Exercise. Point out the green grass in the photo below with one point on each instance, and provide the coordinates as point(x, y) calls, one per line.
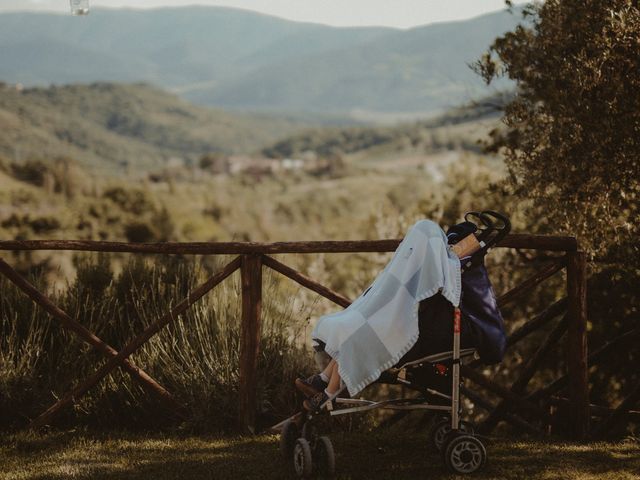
point(378, 455)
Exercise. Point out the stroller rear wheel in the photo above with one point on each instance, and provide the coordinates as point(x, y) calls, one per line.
point(441, 429)
point(464, 453)
point(325, 457)
point(302, 459)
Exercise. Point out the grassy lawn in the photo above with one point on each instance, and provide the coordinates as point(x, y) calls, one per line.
point(128, 456)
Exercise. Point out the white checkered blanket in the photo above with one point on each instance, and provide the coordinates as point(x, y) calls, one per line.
point(381, 325)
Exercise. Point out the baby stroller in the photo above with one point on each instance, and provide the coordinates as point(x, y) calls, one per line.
point(448, 335)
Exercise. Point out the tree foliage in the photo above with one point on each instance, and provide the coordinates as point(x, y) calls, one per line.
point(572, 133)
point(571, 141)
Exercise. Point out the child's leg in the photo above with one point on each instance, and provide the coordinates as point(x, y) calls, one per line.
point(327, 372)
point(334, 379)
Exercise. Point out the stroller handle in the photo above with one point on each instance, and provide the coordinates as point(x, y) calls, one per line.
point(502, 226)
point(492, 226)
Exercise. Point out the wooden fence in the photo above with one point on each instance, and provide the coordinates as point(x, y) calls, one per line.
point(525, 410)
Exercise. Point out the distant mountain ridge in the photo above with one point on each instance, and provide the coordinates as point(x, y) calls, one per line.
point(243, 60)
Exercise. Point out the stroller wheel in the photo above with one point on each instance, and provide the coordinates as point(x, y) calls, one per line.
point(325, 457)
point(290, 432)
point(302, 460)
point(464, 453)
point(440, 429)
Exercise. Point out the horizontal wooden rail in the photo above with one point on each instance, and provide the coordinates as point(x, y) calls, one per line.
point(524, 241)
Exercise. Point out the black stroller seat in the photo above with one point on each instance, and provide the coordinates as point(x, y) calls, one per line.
point(427, 366)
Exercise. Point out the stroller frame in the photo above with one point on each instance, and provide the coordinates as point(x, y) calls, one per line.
point(312, 452)
point(456, 356)
point(462, 451)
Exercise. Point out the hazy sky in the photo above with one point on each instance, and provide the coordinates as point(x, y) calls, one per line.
point(393, 13)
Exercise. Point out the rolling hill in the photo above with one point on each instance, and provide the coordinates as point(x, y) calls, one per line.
point(243, 60)
point(105, 126)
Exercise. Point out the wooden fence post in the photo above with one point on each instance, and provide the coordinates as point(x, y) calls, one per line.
point(251, 273)
point(577, 344)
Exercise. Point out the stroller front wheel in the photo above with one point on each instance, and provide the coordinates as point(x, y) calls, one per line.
point(464, 454)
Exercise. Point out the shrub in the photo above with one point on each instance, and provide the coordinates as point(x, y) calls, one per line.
point(38, 225)
point(4, 165)
point(139, 232)
point(214, 162)
point(32, 171)
point(44, 224)
point(163, 225)
point(94, 276)
point(13, 221)
point(69, 179)
point(134, 201)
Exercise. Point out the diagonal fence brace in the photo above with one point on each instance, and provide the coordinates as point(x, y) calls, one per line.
point(192, 297)
point(594, 358)
point(522, 381)
point(535, 279)
point(86, 335)
point(305, 281)
point(511, 418)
